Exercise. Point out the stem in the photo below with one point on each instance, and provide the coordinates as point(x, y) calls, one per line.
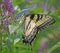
point(54, 47)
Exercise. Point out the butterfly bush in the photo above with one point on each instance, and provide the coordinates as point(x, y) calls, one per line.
point(9, 6)
point(6, 18)
point(7, 13)
point(7, 10)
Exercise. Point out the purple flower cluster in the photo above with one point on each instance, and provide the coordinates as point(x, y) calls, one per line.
point(2, 31)
point(51, 9)
point(44, 7)
point(1, 6)
point(9, 6)
point(6, 13)
point(43, 45)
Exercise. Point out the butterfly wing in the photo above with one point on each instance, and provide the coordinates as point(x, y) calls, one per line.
point(45, 21)
point(33, 23)
point(30, 30)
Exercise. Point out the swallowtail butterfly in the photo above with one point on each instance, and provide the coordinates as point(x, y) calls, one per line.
point(33, 23)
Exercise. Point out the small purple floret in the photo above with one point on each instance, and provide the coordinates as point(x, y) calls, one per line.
point(9, 6)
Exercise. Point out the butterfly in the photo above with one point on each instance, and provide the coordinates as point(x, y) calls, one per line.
point(33, 23)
